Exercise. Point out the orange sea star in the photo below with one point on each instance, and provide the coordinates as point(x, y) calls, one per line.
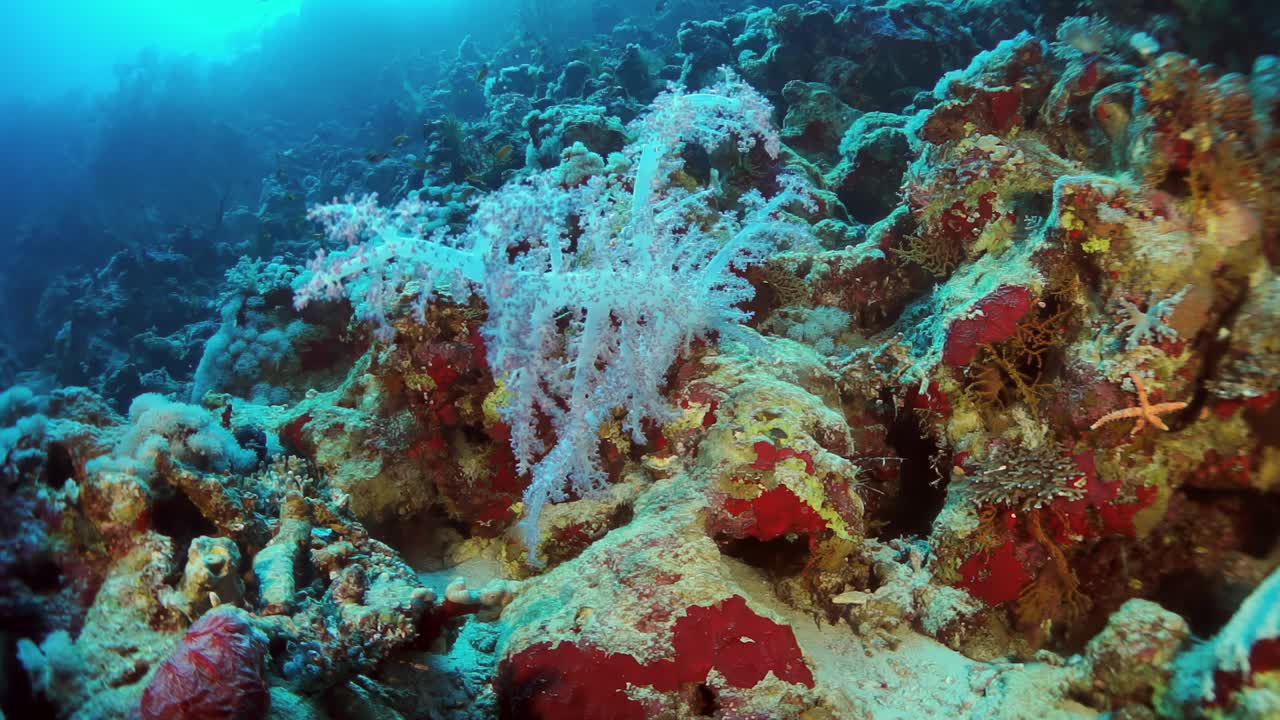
point(1145, 412)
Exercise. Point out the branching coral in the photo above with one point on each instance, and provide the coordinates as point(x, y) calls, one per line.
point(1055, 593)
point(1152, 322)
point(1026, 478)
point(1019, 362)
point(1032, 483)
point(938, 254)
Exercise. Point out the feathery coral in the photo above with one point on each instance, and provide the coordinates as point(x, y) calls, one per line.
point(592, 290)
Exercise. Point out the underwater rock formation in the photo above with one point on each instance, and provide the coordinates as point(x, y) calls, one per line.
point(903, 359)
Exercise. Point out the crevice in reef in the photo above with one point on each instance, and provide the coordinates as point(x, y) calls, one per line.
point(421, 540)
point(59, 467)
point(1208, 594)
point(1253, 514)
point(1266, 424)
point(703, 701)
point(777, 558)
point(923, 475)
point(1214, 345)
point(1203, 600)
point(40, 574)
point(179, 518)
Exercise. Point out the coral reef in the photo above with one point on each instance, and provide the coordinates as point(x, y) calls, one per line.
point(896, 359)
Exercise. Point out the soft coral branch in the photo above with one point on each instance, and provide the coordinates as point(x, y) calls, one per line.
point(632, 266)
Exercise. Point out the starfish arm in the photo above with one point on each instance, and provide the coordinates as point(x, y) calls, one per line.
point(1142, 389)
point(1137, 426)
point(1116, 415)
point(1144, 413)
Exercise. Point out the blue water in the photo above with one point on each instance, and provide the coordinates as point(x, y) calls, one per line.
point(125, 123)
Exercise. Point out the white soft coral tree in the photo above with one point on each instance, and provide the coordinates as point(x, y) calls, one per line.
point(592, 289)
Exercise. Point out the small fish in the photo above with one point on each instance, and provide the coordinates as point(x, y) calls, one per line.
point(375, 157)
point(662, 5)
point(420, 165)
point(503, 153)
point(482, 74)
point(317, 236)
point(292, 196)
point(400, 139)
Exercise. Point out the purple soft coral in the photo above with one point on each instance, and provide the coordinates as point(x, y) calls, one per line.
point(594, 289)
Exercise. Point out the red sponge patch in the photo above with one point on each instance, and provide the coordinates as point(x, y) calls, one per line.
point(568, 681)
point(743, 646)
point(995, 576)
point(995, 319)
point(778, 511)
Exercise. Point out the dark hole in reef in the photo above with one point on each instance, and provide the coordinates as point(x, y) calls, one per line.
point(1213, 348)
point(1176, 184)
point(1265, 424)
point(279, 647)
point(763, 303)
point(622, 517)
point(781, 557)
point(1253, 516)
point(475, 436)
point(922, 478)
point(179, 518)
point(1032, 209)
point(1260, 532)
point(1208, 599)
point(325, 354)
point(276, 297)
point(40, 574)
point(59, 467)
point(703, 702)
point(1206, 602)
point(697, 162)
point(406, 535)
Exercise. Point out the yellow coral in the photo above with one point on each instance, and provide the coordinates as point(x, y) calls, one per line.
point(494, 401)
point(1097, 244)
